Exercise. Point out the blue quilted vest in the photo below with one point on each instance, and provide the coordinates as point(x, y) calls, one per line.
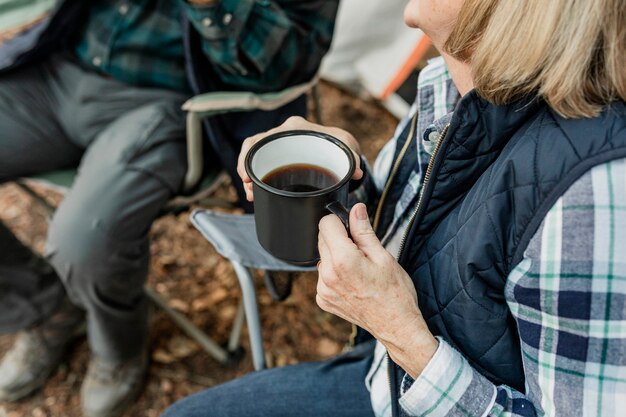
point(497, 172)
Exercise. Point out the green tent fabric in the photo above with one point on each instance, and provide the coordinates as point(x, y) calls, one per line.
point(15, 13)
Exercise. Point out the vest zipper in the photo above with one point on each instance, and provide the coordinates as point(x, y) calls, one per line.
point(394, 171)
point(391, 380)
point(424, 184)
point(383, 196)
point(391, 366)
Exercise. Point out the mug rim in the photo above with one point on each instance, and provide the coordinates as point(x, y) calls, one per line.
point(256, 180)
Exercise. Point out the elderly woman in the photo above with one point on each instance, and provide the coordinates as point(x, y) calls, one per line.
point(493, 278)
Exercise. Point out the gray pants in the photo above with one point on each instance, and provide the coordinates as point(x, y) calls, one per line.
point(129, 146)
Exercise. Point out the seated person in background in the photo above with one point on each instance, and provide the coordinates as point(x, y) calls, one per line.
point(99, 85)
point(508, 220)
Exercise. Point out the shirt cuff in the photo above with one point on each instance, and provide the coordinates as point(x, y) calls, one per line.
point(448, 387)
point(222, 20)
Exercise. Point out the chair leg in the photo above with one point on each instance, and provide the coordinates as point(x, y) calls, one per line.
point(234, 341)
point(317, 105)
point(190, 329)
point(252, 315)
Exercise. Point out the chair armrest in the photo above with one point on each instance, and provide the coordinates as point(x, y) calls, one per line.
point(210, 104)
point(219, 102)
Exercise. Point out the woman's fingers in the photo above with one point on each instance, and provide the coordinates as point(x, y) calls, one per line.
point(241, 165)
point(334, 233)
point(296, 123)
point(247, 187)
point(322, 247)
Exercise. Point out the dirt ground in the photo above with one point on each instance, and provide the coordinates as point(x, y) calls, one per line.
point(199, 283)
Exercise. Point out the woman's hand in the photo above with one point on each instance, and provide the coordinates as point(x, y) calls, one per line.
point(362, 283)
point(296, 123)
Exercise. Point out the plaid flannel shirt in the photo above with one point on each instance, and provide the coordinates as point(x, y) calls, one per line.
point(568, 297)
point(253, 44)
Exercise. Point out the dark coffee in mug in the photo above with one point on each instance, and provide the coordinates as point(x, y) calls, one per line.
point(300, 178)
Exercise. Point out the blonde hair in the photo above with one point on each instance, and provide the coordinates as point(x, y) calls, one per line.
point(572, 53)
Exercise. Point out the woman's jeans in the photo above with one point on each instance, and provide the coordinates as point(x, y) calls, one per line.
point(332, 388)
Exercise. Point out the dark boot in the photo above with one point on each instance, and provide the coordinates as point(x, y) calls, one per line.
point(38, 352)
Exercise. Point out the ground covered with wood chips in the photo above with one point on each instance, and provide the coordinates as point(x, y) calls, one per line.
point(201, 284)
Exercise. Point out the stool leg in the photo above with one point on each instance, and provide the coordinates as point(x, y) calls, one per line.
point(252, 315)
point(188, 327)
point(234, 341)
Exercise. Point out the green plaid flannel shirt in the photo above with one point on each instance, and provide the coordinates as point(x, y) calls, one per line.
point(568, 297)
point(258, 45)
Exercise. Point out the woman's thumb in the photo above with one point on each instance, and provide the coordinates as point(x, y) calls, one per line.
point(361, 230)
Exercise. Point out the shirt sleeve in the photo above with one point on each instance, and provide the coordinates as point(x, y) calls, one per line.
point(264, 45)
point(568, 297)
point(450, 387)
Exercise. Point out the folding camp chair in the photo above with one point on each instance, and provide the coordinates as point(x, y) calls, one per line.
point(234, 237)
point(206, 181)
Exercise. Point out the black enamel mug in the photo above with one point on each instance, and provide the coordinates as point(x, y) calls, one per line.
point(298, 177)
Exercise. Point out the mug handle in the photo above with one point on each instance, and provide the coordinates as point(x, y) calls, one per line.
point(343, 213)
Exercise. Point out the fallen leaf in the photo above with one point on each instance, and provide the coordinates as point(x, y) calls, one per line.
point(201, 304)
point(181, 347)
point(179, 305)
point(218, 294)
point(167, 386)
point(327, 347)
point(167, 260)
point(39, 412)
point(281, 360)
point(228, 312)
point(209, 301)
point(161, 356)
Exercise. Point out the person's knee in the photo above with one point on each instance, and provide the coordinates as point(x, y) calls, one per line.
point(91, 263)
